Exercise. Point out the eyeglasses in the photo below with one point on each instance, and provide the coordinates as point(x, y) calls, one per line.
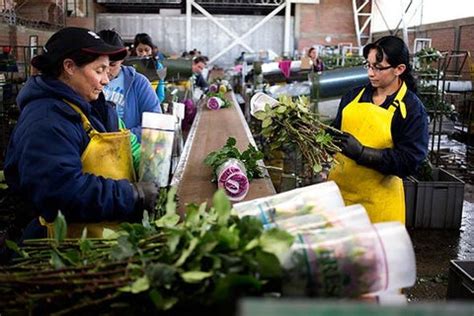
point(375, 69)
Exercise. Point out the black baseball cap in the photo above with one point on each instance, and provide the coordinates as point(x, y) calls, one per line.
point(72, 39)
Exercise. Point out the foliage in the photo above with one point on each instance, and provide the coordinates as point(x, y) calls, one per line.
point(426, 57)
point(207, 259)
point(333, 61)
point(249, 157)
point(291, 122)
point(428, 76)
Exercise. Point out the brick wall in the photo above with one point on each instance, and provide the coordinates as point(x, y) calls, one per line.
point(315, 22)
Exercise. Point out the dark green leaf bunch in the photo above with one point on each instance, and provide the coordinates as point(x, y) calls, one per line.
point(291, 122)
point(249, 158)
point(427, 56)
point(208, 259)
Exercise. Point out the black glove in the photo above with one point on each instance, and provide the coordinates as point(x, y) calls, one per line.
point(349, 145)
point(145, 194)
point(353, 149)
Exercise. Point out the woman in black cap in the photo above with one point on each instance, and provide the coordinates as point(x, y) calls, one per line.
point(66, 152)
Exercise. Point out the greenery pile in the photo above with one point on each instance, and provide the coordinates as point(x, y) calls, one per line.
point(207, 260)
point(292, 123)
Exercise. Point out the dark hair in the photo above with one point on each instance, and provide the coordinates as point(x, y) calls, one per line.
point(111, 37)
point(200, 59)
point(142, 38)
point(55, 69)
point(396, 52)
point(310, 50)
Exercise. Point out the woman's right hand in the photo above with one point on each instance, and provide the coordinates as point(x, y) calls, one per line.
point(145, 194)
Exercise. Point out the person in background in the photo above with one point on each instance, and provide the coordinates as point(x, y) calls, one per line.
point(384, 133)
point(143, 46)
point(130, 91)
point(199, 63)
point(318, 65)
point(66, 152)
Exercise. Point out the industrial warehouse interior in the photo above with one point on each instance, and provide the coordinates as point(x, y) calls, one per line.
point(237, 157)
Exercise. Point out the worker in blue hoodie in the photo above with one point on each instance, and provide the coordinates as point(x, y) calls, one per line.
point(66, 152)
point(129, 90)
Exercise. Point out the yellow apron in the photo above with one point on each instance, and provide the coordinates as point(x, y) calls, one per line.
point(381, 195)
point(107, 154)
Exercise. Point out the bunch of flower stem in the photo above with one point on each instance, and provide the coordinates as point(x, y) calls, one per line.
point(291, 122)
point(161, 264)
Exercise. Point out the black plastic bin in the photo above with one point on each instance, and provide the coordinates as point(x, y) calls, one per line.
point(409, 186)
point(439, 202)
point(461, 280)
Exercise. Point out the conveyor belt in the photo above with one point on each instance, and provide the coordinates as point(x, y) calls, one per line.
point(209, 133)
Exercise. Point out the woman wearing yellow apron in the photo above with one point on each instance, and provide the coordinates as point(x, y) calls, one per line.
point(67, 152)
point(385, 133)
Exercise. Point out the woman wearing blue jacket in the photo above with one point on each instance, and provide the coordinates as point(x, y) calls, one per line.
point(66, 152)
point(385, 133)
point(129, 90)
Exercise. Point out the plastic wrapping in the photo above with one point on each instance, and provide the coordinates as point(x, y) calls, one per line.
point(259, 100)
point(342, 262)
point(156, 148)
point(232, 178)
point(349, 216)
point(311, 199)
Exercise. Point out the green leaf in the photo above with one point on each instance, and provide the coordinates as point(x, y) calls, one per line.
point(123, 249)
point(192, 218)
point(222, 206)
point(56, 261)
point(162, 303)
point(229, 237)
point(281, 109)
point(268, 265)
point(195, 276)
point(13, 246)
point(187, 252)
point(251, 245)
point(317, 168)
point(146, 220)
point(231, 141)
point(260, 115)
point(173, 240)
point(276, 241)
point(60, 227)
point(84, 233)
point(168, 220)
point(267, 122)
point(140, 285)
point(108, 233)
point(232, 284)
point(170, 202)
point(85, 245)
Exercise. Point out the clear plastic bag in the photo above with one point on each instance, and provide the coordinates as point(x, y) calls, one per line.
point(350, 262)
point(156, 148)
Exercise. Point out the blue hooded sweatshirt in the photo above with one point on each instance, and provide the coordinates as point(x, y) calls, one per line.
point(139, 97)
point(43, 158)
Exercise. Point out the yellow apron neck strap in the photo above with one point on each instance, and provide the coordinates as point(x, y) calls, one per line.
point(398, 103)
point(357, 98)
point(85, 121)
